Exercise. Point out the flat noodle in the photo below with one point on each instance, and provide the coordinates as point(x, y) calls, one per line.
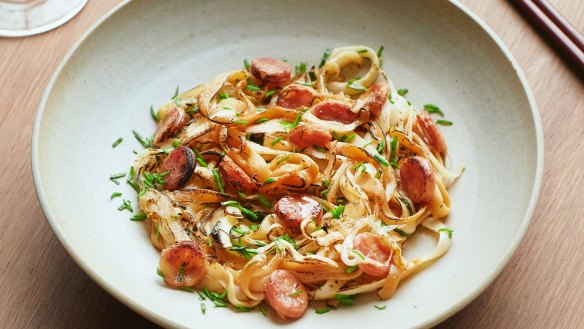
point(226, 208)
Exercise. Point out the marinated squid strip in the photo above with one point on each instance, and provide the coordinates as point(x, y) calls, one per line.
point(359, 166)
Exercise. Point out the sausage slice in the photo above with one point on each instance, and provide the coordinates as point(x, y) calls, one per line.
point(333, 110)
point(180, 165)
point(293, 209)
point(270, 70)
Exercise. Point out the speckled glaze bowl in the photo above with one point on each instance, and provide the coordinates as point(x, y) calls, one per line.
point(142, 50)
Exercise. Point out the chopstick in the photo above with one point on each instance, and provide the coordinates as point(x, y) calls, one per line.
point(557, 28)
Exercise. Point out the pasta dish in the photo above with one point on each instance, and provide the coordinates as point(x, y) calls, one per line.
point(278, 186)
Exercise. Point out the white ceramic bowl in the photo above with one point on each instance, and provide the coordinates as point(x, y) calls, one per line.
point(140, 52)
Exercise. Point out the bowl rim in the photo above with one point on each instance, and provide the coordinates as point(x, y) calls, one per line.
point(168, 322)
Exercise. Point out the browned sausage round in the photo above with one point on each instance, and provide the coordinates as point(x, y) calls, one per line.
point(309, 134)
point(235, 177)
point(286, 294)
point(293, 209)
point(175, 120)
point(293, 97)
point(374, 98)
point(417, 179)
point(373, 246)
point(432, 135)
point(333, 110)
point(270, 70)
point(180, 165)
point(182, 264)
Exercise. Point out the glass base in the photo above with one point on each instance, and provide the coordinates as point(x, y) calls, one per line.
point(20, 18)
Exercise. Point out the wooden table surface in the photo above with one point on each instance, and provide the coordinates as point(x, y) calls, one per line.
point(541, 287)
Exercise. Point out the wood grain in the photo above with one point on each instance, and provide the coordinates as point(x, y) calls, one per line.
point(542, 287)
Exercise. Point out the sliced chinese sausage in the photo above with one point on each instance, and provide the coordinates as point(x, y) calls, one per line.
point(375, 247)
point(432, 135)
point(182, 264)
point(173, 122)
point(270, 70)
point(417, 179)
point(333, 110)
point(179, 164)
point(374, 98)
point(293, 209)
point(286, 294)
point(235, 177)
point(294, 96)
point(308, 135)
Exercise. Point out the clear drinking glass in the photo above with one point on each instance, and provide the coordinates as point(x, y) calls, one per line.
point(27, 17)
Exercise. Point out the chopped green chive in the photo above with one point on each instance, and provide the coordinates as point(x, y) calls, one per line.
point(270, 93)
point(337, 212)
point(360, 51)
point(115, 195)
point(380, 51)
point(390, 98)
point(260, 120)
point(240, 122)
point(282, 159)
point(153, 114)
point(242, 195)
point(380, 307)
point(138, 217)
point(146, 142)
point(263, 310)
point(402, 233)
point(393, 153)
point(218, 180)
point(350, 137)
point(117, 142)
point(269, 180)
point(203, 308)
point(230, 203)
point(408, 206)
point(301, 68)
point(326, 183)
point(325, 56)
point(246, 64)
point(380, 147)
point(242, 308)
point(264, 201)
point(355, 85)
point(176, 143)
point(448, 230)
point(320, 149)
point(252, 86)
point(276, 141)
point(381, 160)
point(223, 96)
point(295, 292)
point(322, 310)
point(346, 300)
point(431, 108)
point(402, 92)
point(350, 269)
point(200, 159)
point(444, 122)
point(160, 274)
point(358, 253)
point(126, 205)
point(175, 93)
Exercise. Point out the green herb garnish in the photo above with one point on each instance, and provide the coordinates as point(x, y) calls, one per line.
point(264, 201)
point(337, 212)
point(240, 122)
point(146, 142)
point(393, 153)
point(380, 307)
point(138, 217)
point(381, 160)
point(270, 93)
point(295, 292)
point(301, 68)
point(380, 51)
point(358, 253)
point(402, 233)
point(402, 92)
point(260, 120)
point(431, 108)
point(350, 269)
point(246, 64)
point(126, 205)
point(218, 180)
point(115, 195)
point(269, 180)
point(448, 230)
point(322, 310)
point(320, 149)
point(252, 86)
point(444, 122)
point(117, 142)
point(283, 159)
point(160, 274)
point(325, 56)
point(276, 141)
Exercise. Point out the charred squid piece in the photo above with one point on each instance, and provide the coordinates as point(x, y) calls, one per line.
point(293, 209)
point(270, 71)
point(417, 179)
point(180, 165)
